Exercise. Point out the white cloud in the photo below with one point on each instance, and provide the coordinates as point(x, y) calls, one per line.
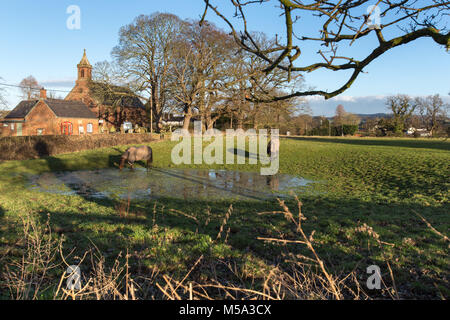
point(344, 98)
point(59, 83)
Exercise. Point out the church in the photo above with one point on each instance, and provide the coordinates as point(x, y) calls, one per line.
point(90, 108)
point(112, 104)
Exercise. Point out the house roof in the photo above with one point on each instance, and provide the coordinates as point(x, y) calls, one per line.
point(61, 108)
point(22, 109)
point(70, 109)
point(111, 95)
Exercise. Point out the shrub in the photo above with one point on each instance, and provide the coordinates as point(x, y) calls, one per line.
point(21, 148)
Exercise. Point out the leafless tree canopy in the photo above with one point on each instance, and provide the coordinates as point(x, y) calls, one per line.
point(340, 24)
point(402, 107)
point(144, 54)
point(3, 102)
point(431, 109)
point(30, 88)
point(198, 70)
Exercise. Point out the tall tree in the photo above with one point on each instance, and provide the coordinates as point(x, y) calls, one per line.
point(339, 118)
point(402, 107)
point(432, 109)
point(29, 87)
point(145, 53)
point(3, 102)
point(201, 60)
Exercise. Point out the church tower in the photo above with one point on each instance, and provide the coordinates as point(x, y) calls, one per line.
point(84, 69)
point(81, 89)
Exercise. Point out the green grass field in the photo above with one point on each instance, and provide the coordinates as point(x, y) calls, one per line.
point(379, 182)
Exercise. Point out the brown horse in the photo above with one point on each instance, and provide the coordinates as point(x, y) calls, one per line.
point(133, 154)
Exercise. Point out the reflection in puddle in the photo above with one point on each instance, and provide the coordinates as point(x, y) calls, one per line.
point(176, 183)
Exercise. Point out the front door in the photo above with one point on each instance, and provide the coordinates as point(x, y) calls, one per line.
point(66, 128)
point(19, 129)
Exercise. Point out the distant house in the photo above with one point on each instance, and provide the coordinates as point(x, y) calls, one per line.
point(49, 117)
point(112, 104)
point(169, 119)
point(421, 132)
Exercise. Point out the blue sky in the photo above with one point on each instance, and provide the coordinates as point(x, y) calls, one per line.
point(36, 41)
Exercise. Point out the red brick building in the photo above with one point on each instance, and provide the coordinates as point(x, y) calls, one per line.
point(89, 105)
point(49, 117)
point(112, 104)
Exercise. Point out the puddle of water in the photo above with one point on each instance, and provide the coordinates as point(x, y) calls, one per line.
point(175, 183)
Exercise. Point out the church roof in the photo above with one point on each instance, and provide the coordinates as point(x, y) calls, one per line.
point(61, 108)
point(112, 95)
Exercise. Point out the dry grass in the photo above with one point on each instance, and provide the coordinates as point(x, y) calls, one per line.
point(299, 277)
point(28, 277)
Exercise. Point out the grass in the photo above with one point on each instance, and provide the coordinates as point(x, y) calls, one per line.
point(370, 188)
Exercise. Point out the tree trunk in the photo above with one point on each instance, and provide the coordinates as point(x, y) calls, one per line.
point(240, 122)
point(187, 116)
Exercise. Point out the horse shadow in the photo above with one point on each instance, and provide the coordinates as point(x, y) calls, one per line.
point(243, 153)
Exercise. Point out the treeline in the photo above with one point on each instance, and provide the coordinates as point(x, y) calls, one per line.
point(419, 117)
point(428, 113)
point(177, 66)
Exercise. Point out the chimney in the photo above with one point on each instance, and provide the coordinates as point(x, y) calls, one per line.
point(43, 94)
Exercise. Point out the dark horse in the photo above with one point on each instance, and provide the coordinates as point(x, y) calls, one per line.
point(133, 154)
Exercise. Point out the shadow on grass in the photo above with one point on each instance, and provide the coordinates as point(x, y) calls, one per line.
point(171, 233)
point(243, 153)
point(394, 142)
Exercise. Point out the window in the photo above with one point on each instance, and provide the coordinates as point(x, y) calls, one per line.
point(40, 131)
point(89, 128)
point(82, 73)
point(80, 129)
point(12, 126)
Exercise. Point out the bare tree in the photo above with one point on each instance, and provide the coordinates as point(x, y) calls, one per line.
point(53, 95)
point(145, 53)
point(3, 102)
point(249, 88)
point(337, 22)
point(432, 109)
point(202, 57)
point(343, 117)
point(29, 87)
point(339, 118)
point(402, 108)
point(302, 123)
point(110, 90)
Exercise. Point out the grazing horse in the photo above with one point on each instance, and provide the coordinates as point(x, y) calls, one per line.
point(273, 147)
point(133, 154)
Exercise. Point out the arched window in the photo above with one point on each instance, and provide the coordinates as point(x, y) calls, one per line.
point(82, 73)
